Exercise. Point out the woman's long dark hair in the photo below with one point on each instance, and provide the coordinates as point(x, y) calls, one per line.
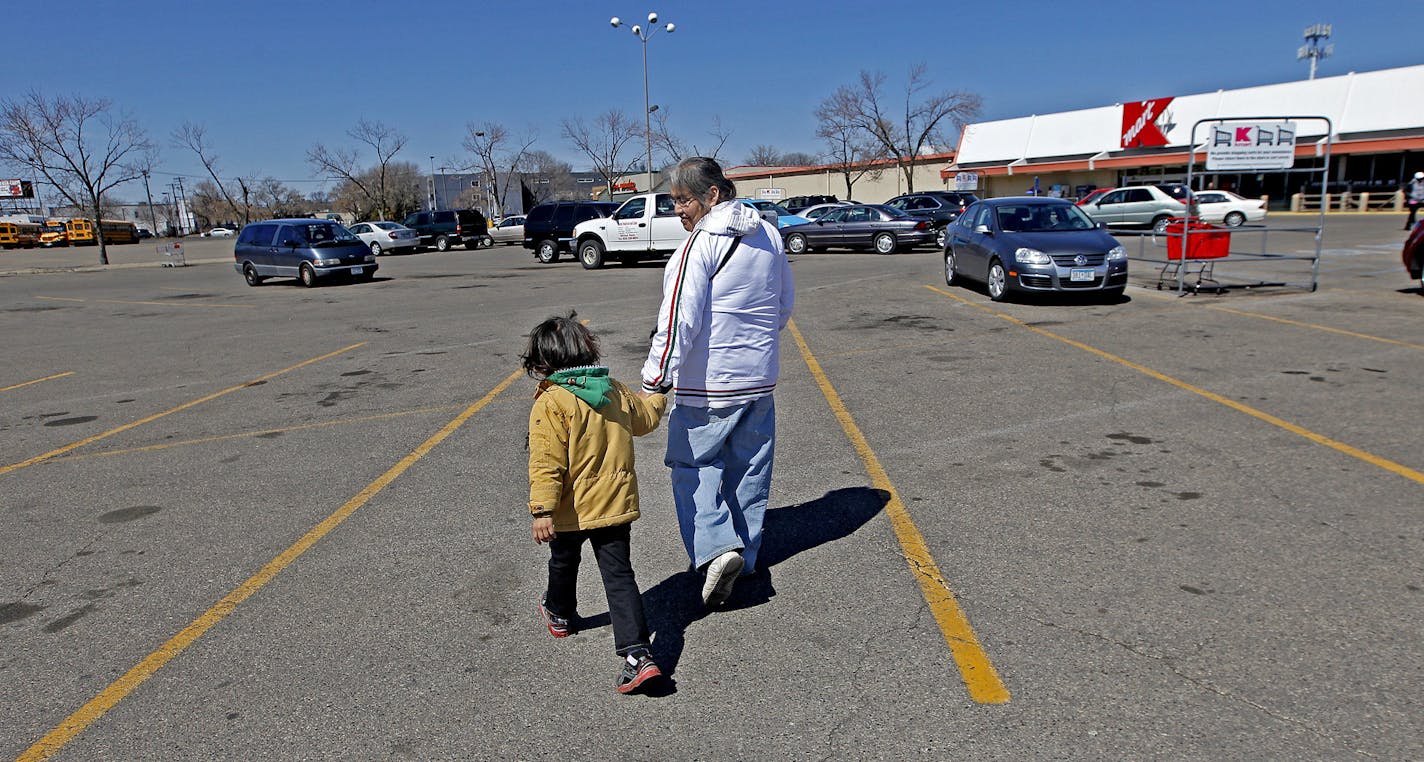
point(558, 343)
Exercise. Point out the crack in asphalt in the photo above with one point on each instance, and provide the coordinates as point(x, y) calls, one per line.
point(45, 577)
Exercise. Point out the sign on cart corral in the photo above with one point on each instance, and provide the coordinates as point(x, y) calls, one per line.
point(1250, 146)
point(966, 181)
point(771, 194)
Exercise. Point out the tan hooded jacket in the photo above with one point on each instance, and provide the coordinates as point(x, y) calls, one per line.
point(581, 458)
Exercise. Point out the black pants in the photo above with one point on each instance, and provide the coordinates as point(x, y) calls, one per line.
point(625, 602)
point(1413, 210)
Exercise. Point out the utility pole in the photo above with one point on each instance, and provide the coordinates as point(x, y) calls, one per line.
point(182, 208)
point(152, 218)
point(1311, 49)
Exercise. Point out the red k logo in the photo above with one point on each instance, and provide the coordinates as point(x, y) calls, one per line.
point(1139, 123)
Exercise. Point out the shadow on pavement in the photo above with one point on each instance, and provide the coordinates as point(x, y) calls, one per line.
point(676, 602)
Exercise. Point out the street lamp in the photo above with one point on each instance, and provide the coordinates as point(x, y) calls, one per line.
point(434, 193)
point(643, 35)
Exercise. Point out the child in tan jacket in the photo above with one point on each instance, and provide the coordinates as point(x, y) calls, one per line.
point(582, 486)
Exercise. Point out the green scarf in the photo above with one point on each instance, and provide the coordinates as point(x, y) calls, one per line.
point(589, 383)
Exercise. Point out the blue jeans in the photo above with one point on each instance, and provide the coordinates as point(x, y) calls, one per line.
point(721, 477)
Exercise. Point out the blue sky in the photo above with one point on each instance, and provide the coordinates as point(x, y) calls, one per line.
point(269, 79)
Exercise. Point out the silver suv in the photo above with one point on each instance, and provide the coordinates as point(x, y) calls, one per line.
point(1140, 206)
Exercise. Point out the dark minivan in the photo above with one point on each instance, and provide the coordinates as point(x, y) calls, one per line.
point(447, 227)
point(549, 228)
point(305, 249)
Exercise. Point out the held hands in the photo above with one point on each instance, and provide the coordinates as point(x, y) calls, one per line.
point(543, 529)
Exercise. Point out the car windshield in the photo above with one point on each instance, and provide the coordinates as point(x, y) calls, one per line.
point(388, 225)
point(326, 234)
point(891, 212)
point(1042, 218)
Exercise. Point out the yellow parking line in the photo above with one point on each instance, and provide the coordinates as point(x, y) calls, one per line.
point(250, 434)
point(156, 416)
point(36, 381)
point(96, 707)
point(1338, 446)
point(155, 304)
point(979, 675)
point(1298, 324)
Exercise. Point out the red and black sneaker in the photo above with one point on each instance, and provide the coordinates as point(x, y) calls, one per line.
point(558, 626)
point(638, 668)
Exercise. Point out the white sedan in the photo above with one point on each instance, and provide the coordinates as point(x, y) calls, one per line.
point(1228, 208)
point(510, 230)
point(219, 233)
point(384, 237)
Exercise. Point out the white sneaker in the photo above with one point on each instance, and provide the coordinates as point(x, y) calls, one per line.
point(721, 576)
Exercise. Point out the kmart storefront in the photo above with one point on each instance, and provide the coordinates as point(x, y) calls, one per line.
point(1377, 142)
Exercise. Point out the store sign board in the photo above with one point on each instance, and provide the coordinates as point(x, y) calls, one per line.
point(15, 188)
point(771, 194)
point(1142, 123)
point(966, 181)
point(1251, 146)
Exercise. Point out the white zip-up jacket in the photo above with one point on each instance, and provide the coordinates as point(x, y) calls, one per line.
point(717, 338)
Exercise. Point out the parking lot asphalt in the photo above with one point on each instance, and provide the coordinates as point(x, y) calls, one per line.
point(280, 522)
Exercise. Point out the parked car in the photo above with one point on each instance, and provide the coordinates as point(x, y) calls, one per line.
point(450, 227)
point(385, 237)
point(1228, 208)
point(1414, 254)
point(939, 207)
point(795, 204)
point(549, 227)
point(814, 212)
point(510, 230)
point(1093, 195)
point(862, 226)
point(219, 233)
point(1140, 206)
point(305, 249)
point(773, 213)
point(1033, 244)
point(145, 233)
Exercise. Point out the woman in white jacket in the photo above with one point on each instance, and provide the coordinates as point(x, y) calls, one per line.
point(727, 293)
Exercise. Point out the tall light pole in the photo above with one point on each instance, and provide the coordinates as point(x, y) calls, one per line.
point(643, 35)
point(434, 202)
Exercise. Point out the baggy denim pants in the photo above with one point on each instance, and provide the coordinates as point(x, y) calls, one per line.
point(721, 462)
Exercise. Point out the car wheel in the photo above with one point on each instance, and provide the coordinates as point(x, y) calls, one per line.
point(548, 252)
point(1159, 225)
point(250, 273)
point(796, 244)
point(1235, 219)
point(941, 236)
point(306, 275)
point(442, 243)
point(591, 254)
point(950, 276)
point(376, 249)
point(885, 243)
point(998, 281)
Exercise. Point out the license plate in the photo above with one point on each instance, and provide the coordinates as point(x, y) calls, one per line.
point(1078, 275)
point(359, 270)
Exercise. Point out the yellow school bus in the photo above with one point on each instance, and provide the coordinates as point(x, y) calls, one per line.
point(52, 233)
point(15, 235)
point(119, 231)
point(80, 232)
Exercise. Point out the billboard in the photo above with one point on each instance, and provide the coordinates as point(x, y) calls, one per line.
point(1251, 146)
point(15, 188)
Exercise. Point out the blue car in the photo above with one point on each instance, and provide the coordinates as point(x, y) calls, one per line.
point(1031, 244)
point(773, 213)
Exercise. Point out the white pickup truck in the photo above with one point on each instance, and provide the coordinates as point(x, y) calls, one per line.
point(644, 227)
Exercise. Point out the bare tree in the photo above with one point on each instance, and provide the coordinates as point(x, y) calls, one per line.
point(498, 154)
point(404, 191)
point(904, 134)
point(675, 149)
point(194, 137)
point(78, 144)
point(604, 143)
point(344, 163)
point(763, 156)
point(853, 151)
point(547, 178)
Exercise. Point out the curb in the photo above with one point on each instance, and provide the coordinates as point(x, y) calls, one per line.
point(104, 268)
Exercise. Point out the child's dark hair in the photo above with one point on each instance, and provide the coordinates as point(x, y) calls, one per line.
point(558, 343)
